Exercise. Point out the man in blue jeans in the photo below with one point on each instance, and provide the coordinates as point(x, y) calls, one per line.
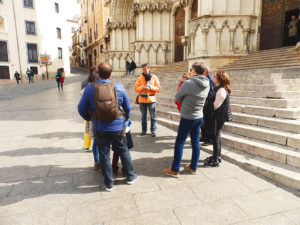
point(192, 96)
point(109, 133)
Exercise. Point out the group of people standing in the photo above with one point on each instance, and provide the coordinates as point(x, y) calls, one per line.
point(130, 68)
point(200, 99)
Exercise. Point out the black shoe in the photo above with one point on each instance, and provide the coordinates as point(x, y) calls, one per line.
point(206, 144)
point(211, 162)
point(153, 134)
point(143, 132)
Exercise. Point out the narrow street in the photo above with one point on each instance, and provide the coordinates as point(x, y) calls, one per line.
point(46, 177)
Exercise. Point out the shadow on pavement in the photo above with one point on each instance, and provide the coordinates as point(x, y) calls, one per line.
point(59, 135)
point(36, 151)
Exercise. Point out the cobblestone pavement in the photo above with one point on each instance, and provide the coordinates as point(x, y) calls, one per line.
point(46, 178)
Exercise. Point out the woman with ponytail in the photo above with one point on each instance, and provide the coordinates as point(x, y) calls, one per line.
point(220, 105)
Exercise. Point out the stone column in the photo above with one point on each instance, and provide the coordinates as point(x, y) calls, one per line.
point(231, 41)
point(193, 35)
point(245, 47)
point(141, 26)
point(204, 32)
point(211, 10)
point(155, 54)
point(113, 40)
point(138, 61)
point(188, 15)
point(253, 7)
point(238, 6)
point(199, 8)
point(218, 41)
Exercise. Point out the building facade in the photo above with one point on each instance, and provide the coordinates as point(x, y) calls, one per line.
point(19, 38)
point(92, 32)
point(57, 22)
point(163, 31)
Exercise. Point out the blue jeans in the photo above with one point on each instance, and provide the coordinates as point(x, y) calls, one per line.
point(187, 127)
point(133, 72)
point(95, 151)
point(119, 145)
point(151, 107)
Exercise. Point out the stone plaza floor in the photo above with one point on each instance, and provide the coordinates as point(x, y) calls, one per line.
point(46, 177)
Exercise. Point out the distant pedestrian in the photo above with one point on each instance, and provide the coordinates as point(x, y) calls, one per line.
point(17, 77)
point(147, 85)
point(128, 68)
point(29, 74)
point(132, 67)
point(221, 111)
point(59, 79)
point(192, 96)
point(293, 31)
point(32, 76)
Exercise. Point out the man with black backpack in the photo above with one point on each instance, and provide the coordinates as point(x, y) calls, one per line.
point(105, 99)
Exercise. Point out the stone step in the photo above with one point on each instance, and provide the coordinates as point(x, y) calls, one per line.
point(261, 80)
point(293, 57)
point(262, 148)
point(265, 87)
point(293, 113)
point(284, 174)
point(265, 65)
point(286, 139)
point(280, 172)
point(268, 122)
point(266, 94)
point(278, 103)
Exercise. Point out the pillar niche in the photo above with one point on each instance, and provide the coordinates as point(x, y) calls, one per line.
point(218, 31)
point(113, 40)
point(204, 32)
point(245, 46)
point(231, 31)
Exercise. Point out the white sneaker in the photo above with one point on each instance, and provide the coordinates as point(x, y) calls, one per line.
point(109, 189)
point(132, 181)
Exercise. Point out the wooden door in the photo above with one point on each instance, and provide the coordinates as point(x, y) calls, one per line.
point(179, 32)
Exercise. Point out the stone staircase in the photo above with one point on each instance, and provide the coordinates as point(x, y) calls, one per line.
point(264, 135)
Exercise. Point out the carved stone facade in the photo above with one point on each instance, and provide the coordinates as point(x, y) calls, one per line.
point(163, 31)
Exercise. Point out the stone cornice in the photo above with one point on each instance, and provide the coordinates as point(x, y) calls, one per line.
point(152, 5)
point(120, 25)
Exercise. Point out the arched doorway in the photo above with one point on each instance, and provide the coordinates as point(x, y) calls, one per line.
point(179, 32)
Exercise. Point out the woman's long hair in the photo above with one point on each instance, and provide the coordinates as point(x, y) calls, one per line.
point(224, 80)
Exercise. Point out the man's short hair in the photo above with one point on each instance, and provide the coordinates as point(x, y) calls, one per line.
point(199, 67)
point(104, 70)
point(144, 65)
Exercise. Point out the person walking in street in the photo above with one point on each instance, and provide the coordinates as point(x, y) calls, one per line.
point(132, 68)
point(17, 77)
point(221, 111)
point(29, 74)
point(128, 68)
point(293, 31)
point(59, 79)
point(32, 76)
point(192, 96)
point(207, 130)
point(108, 122)
point(147, 85)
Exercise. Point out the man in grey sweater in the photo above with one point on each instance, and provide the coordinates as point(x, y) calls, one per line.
point(192, 96)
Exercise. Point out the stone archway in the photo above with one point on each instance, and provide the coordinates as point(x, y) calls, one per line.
point(179, 32)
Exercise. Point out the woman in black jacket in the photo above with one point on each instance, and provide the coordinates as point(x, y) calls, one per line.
point(219, 109)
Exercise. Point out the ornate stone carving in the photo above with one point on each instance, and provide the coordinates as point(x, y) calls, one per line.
point(152, 5)
point(125, 25)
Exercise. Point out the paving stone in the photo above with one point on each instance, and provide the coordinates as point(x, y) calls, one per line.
point(160, 218)
point(55, 216)
point(221, 189)
point(165, 199)
point(218, 212)
point(255, 182)
point(277, 219)
point(101, 211)
point(293, 215)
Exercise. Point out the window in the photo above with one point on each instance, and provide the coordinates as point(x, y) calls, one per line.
point(28, 4)
point(58, 32)
point(3, 51)
point(32, 53)
point(34, 69)
point(4, 72)
point(73, 29)
point(60, 54)
point(101, 49)
point(30, 27)
point(56, 7)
